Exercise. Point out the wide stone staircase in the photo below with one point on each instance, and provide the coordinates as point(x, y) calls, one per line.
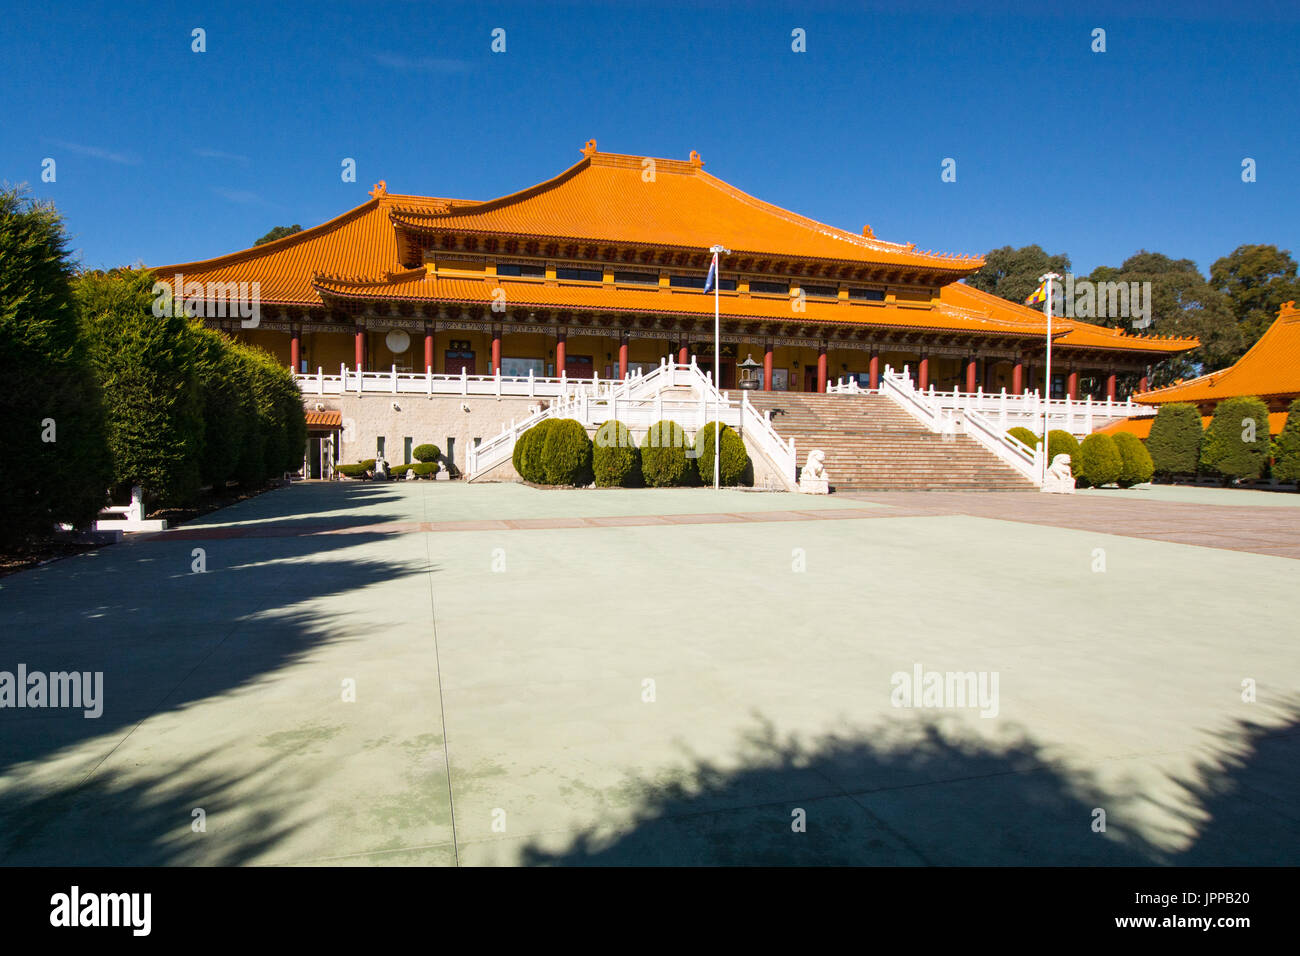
point(873, 445)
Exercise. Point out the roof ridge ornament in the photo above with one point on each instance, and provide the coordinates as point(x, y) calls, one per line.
point(590, 148)
point(380, 189)
point(695, 159)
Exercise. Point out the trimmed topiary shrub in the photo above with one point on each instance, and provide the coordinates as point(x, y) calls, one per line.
point(1098, 462)
point(1286, 465)
point(733, 459)
point(615, 459)
point(1136, 463)
point(1175, 440)
point(1236, 441)
point(528, 452)
point(422, 469)
point(1061, 442)
point(663, 455)
point(566, 454)
point(426, 453)
point(355, 471)
point(1022, 434)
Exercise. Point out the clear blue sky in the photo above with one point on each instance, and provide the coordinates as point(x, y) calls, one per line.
point(165, 155)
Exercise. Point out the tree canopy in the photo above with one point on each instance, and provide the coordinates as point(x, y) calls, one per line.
point(279, 232)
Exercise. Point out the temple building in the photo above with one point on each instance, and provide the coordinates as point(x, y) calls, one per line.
point(599, 273)
point(601, 270)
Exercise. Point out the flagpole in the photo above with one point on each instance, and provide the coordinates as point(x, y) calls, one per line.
point(717, 365)
point(1047, 387)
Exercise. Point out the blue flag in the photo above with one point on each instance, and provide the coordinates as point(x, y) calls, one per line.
point(712, 280)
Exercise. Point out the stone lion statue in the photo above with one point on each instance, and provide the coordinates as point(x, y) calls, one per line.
point(1060, 479)
point(813, 480)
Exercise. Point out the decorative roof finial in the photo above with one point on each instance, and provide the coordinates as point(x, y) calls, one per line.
point(589, 148)
point(867, 231)
point(381, 189)
point(695, 159)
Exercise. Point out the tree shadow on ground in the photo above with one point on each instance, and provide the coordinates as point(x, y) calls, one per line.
point(933, 794)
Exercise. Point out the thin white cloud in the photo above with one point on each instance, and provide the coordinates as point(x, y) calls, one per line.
point(218, 154)
point(98, 152)
point(244, 197)
point(421, 64)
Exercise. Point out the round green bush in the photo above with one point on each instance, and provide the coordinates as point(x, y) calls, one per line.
point(1136, 460)
point(733, 459)
point(426, 453)
point(615, 459)
point(528, 451)
point(663, 455)
point(1286, 450)
point(1175, 439)
point(1061, 442)
point(1098, 462)
point(1236, 442)
point(1022, 434)
point(566, 454)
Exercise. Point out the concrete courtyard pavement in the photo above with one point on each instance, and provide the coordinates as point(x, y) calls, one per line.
point(440, 673)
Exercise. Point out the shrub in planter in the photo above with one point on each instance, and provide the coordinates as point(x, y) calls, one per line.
point(426, 453)
point(733, 459)
point(1023, 434)
point(1286, 466)
point(663, 455)
point(1135, 459)
point(1236, 441)
point(1098, 462)
point(615, 459)
point(566, 454)
point(1175, 439)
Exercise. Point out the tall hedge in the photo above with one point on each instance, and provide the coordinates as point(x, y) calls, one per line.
point(227, 407)
point(1236, 442)
point(663, 455)
point(566, 454)
point(52, 445)
point(1175, 439)
point(1135, 460)
point(1286, 466)
point(615, 458)
point(733, 459)
point(1098, 462)
point(148, 366)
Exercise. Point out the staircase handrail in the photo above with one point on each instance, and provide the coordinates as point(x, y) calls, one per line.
point(781, 451)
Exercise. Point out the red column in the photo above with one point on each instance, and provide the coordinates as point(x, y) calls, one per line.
point(874, 370)
point(821, 368)
point(559, 353)
point(683, 355)
point(1072, 385)
point(1142, 384)
point(923, 372)
point(767, 368)
point(295, 350)
point(428, 348)
point(496, 351)
point(622, 357)
point(1018, 379)
point(970, 374)
point(361, 349)
point(1110, 387)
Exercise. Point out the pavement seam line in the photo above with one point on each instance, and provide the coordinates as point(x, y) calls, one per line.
point(442, 706)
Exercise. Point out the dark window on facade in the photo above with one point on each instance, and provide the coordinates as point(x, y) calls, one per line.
point(764, 285)
point(868, 295)
point(825, 291)
point(697, 282)
point(638, 278)
point(511, 269)
point(583, 275)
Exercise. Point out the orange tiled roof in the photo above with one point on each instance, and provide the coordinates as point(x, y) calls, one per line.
point(1141, 427)
point(962, 299)
point(418, 285)
point(325, 419)
point(605, 197)
point(1270, 368)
